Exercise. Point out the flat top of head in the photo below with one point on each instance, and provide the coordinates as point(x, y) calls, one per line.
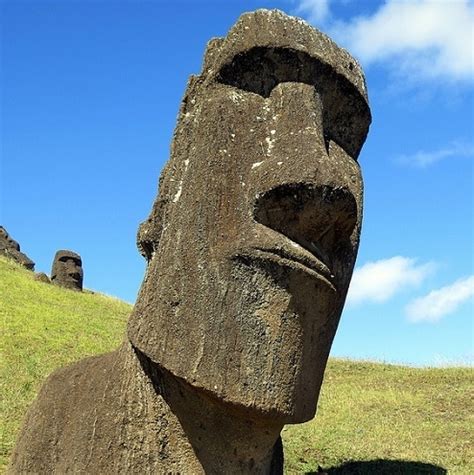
point(66, 253)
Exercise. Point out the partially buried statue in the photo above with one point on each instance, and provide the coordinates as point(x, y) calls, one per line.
point(67, 270)
point(11, 249)
point(250, 245)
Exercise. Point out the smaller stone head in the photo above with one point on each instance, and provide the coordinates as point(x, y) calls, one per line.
point(67, 270)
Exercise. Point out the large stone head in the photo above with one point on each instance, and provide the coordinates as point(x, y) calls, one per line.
point(67, 270)
point(252, 239)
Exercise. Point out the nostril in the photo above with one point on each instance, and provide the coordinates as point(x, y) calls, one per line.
point(319, 218)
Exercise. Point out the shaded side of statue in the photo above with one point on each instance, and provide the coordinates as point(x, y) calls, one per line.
point(250, 245)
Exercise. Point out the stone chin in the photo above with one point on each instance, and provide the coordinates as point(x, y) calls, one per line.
point(268, 357)
point(296, 309)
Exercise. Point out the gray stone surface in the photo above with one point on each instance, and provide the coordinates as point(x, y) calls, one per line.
point(250, 244)
point(67, 270)
point(11, 249)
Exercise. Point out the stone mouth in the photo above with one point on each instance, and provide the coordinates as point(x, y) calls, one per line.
point(290, 254)
point(75, 276)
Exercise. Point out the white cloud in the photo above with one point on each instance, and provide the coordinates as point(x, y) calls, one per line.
point(378, 281)
point(423, 159)
point(441, 302)
point(418, 39)
point(316, 11)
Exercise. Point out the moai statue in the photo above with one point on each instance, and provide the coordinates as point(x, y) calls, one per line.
point(250, 246)
point(67, 270)
point(42, 277)
point(11, 249)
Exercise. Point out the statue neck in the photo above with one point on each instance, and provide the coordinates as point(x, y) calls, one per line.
point(223, 440)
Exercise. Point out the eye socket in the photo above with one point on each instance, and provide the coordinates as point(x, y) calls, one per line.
point(346, 114)
point(346, 119)
point(260, 69)
point(75, 261)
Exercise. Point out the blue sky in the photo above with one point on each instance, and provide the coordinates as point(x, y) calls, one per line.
point(90, 93)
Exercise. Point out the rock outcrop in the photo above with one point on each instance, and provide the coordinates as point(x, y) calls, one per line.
point(42, 277)
point(11, 249)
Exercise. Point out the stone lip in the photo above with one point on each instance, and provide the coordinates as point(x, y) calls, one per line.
point(11, 249)
point(276, 29)
point(299, 261)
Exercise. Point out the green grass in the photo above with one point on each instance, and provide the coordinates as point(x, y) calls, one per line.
point(45, 327)
point(376, 412)
point(372, 418)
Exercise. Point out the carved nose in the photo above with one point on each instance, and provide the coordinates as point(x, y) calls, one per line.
point(319, 218)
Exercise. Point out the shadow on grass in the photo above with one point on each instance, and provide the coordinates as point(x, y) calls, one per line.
point(383, 467)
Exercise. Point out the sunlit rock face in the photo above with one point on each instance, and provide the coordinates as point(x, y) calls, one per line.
point(67, 270)
point(252, 239)
point(250, 246)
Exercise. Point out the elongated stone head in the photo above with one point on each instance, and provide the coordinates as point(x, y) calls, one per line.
point(252, 239)
point(67, 270)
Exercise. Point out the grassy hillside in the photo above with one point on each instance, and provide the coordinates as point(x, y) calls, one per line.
point(45, 327)
point(419, 419)
point(372, 418)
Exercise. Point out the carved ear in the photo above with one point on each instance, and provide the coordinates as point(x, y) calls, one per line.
point(149, 232)
point(144, 242)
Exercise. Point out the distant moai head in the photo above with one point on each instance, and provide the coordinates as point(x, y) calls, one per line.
point(252, 239)
point(67, 270)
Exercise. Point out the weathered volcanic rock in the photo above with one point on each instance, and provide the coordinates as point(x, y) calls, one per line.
point(10, 248)
point(42, 277)
point(250, 244)
point(67, 270)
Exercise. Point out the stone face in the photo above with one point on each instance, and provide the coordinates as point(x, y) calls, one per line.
point(67, 270)
point(250, 246)
point(10, 248)
point(254, 233)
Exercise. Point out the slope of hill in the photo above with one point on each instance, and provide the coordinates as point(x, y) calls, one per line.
point(45, 327)
point(372, 418)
